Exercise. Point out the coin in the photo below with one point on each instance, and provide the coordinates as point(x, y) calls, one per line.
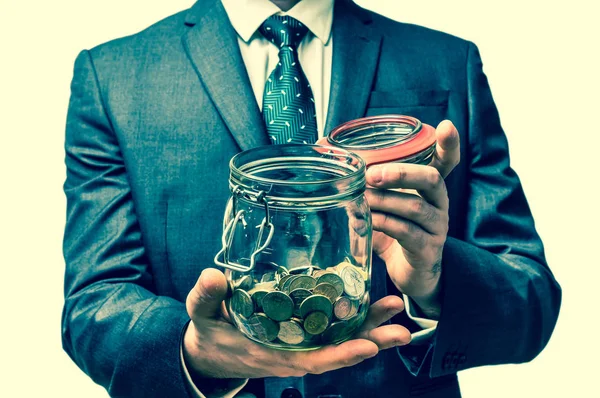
point(298, 296)
point(262, 327)
point(291, 332)
point(345, 308)
point(342, 308)
point(257, 297)
point(245, 282)
point(316, 302)
point(241, 303)
point(283, 279)
point(336, 332)
point(332, 279)
point(278, 306)
point(302, 282)
point(355, 309)
point(316, 322)
point(327, 290)
point(354, 283)
point(285, 285)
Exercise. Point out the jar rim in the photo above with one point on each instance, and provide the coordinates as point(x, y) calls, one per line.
point(340, 136)
point(344, 169)
point(388, 145)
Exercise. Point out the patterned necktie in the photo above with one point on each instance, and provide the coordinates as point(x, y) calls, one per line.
point(288, 103)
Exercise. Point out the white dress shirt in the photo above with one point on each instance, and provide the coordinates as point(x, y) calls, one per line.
point(261, 56)
point(315, 55)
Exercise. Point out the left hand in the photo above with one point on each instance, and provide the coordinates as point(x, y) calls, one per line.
point(409, 205)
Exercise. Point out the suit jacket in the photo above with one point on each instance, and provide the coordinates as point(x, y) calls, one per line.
point(154, 119)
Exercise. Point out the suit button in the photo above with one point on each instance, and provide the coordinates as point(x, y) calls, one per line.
point(291, 393)
point(454, 362)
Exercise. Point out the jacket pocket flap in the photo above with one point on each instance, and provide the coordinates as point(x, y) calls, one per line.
point(408, 98)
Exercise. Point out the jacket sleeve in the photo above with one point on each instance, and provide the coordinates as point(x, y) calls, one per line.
point(114, 326)
point(500, 301)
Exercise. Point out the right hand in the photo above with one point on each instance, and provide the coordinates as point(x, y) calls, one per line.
point(214, 348)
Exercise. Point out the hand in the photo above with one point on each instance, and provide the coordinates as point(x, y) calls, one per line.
point(214, 348)
point(409, 205)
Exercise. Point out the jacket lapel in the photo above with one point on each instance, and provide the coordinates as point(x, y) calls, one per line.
point(356, 47)
point(211, 44)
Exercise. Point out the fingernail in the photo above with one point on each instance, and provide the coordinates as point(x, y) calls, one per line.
point(375, 174)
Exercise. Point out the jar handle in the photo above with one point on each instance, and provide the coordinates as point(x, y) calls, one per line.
point(227, 240)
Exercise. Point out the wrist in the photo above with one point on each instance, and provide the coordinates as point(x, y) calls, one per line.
point(429, 299)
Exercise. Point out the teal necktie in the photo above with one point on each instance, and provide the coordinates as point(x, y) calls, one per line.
point(288, 103)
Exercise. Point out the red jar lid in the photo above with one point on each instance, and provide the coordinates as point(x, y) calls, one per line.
point(385, 139)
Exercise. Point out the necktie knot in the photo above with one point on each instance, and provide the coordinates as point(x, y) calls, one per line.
point(283, 31)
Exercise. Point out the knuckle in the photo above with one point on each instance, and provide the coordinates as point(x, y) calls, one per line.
point(398, 172)
point(417, 206)
point(431, 216)
point(386, 221)
point(434, 178)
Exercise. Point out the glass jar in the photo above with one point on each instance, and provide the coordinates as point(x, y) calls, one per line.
point(297, 245)
point(385, 139)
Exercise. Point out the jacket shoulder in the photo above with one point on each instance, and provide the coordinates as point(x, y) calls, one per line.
point(157, 36)
point(415, 37)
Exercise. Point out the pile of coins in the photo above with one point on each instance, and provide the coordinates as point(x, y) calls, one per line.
point(302, 307)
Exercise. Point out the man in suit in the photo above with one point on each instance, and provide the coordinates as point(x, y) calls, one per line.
point(154, 119)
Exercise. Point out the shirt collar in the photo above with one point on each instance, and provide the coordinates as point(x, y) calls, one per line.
point(246, 16)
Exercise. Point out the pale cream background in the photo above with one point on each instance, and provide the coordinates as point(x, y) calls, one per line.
point(542, 61)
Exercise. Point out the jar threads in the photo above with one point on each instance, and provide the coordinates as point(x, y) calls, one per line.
point(385, 139)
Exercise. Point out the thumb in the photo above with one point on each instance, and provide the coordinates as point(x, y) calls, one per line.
point(205, 298)
point(447, 150)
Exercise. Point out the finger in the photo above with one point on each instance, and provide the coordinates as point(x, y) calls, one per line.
point(205, 298)
point(225, 312)
point(387, 336)
point(382, 311)
point(447, 151)
point(334, 357)
point(408, 206)
point(410, 236)
point(426, 180)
